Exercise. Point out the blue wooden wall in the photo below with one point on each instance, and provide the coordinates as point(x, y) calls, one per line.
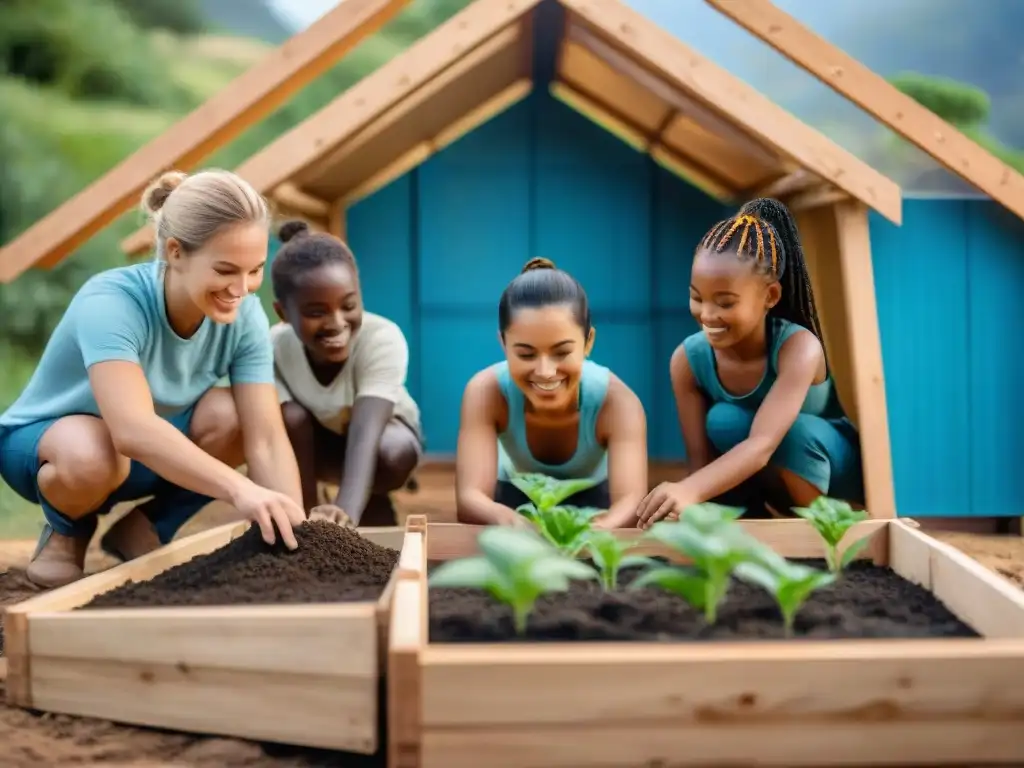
point(437, 247)
point(949, 283)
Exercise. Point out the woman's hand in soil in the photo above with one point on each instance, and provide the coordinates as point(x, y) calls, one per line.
point(270, 509)
point(332, 514)
point(666, 501)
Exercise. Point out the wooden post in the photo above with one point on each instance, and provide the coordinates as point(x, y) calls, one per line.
point(336, 220)
point(837, 244)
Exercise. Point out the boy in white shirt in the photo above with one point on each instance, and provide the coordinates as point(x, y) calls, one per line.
point(341, 375)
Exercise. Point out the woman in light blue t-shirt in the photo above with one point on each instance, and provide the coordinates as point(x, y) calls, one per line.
point(124, 403)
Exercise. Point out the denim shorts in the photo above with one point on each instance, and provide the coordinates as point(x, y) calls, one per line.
point(19, 467)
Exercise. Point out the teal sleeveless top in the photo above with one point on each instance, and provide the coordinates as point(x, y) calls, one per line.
point(821, 399)
point(591, 458)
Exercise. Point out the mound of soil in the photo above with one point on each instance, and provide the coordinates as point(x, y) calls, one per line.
point(331, 564)
point(867, 602)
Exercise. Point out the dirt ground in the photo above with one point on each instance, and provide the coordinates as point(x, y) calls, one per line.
point(31, 740)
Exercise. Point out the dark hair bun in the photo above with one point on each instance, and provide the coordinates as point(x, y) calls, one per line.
point(538, 263)
point(292, 229)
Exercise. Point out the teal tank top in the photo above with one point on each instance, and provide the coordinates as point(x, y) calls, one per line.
point(591, 458)
point(821, 399)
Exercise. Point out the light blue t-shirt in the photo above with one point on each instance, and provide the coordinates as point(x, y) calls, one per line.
point(120, 315)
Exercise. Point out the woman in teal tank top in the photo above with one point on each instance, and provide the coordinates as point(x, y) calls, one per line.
point(549, 409)
point(761, 421)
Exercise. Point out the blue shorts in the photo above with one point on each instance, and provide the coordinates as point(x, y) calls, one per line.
point(825, 453)
point(172, 507)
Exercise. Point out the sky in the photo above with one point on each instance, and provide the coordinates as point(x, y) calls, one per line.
point(303, 12)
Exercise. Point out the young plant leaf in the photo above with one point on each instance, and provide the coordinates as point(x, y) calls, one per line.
point(516, 566)
point(565, 528)
point(853, 551)
point(715, 543)
point(547, 492)
point(789, 583)
point(689, 584)
point(608, 552)
point(832, 518)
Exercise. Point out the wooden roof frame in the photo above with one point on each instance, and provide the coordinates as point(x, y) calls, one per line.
point(816, 170)
point(353, 113)
point(244, 101)
point(879, 98)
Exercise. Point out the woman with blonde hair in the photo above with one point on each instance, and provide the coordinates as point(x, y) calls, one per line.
point(124, 403)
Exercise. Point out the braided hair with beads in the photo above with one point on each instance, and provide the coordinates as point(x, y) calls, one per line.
point(765, 232)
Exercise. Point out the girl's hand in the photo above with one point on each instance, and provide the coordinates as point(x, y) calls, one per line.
point(270, 509)
point(667, 501)
point(332, 514)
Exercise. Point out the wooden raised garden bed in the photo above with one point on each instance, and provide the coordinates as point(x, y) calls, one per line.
point(219, 634)
point(617, 677)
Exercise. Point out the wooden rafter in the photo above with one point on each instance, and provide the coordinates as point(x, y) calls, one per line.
point(239, 105)
point(715, 88)
point(879, 98)
point(308, 143)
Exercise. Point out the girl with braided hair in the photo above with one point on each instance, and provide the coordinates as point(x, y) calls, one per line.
point(548, 409)
point(753, 385)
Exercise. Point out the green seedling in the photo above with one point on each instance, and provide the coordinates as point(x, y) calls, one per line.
point(832, 518)
point(789, 583)
point(547, 492)
point(709, 536)
point(609, 554)
point(516, 567)
point(564, 527)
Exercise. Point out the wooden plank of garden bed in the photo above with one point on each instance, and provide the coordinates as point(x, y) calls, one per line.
point(978, 597)
point(791, 538)
point(799, 703)
point(407, 638)
point(210, 669)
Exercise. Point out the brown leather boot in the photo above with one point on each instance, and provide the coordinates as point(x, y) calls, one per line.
point(58, 559)
point(130, 537)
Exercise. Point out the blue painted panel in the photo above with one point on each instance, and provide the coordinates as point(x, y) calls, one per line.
point(567, 139)
point(474, 233)
point(502, 142)
point(625, 346)
point(380, 232)
point(995, 239)
point(458, 346)
point(921, 280)
point(682, 214)
point(594, 222)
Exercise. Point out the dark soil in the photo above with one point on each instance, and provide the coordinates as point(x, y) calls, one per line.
point(868, 602)
point(332, 564)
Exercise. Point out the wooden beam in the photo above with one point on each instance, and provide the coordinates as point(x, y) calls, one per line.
point(825, 194)
point(419, 154)
point(507, 37)
point(714, 87)
point(837, 245)
point(243, 102)
point(686, 168)
point(791, 183)
point(879, 98)
point(682, 105)
point(294, 198)
point(371, 97)
point(336, 223)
